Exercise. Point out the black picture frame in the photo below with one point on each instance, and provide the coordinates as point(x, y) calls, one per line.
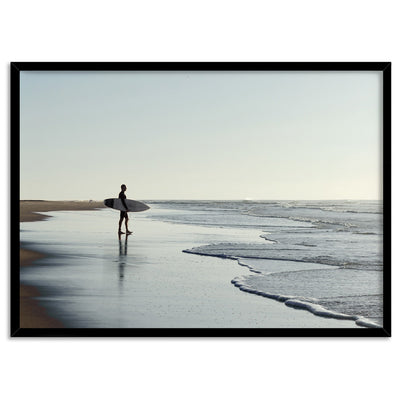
point(17, 67)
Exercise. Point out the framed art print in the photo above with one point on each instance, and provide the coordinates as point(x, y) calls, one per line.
point(200, 199)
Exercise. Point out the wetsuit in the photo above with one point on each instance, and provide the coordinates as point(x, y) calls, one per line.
point(123, 214)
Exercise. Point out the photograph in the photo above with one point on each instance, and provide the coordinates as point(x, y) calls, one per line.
point(200, 199)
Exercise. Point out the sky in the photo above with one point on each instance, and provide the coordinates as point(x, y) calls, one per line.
point(201, 135)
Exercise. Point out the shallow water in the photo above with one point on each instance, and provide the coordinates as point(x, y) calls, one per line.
point(322, 256)
point(155, 277)
point(93, 279)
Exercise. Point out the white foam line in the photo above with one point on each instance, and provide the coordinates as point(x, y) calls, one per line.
point(305, 304)
point(291, 301)
point(223, 255)
point(243, 264)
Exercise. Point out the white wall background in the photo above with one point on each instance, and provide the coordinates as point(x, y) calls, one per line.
point(207, 30)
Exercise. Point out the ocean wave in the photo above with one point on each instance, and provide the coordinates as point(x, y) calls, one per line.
point(323, 285)
point(317, 222)
point(305, 303)
point(334, 248)
point(281, 252)
point(354, 207)
point(367, 233)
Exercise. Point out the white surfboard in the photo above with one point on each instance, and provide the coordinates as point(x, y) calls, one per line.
point(133, 205)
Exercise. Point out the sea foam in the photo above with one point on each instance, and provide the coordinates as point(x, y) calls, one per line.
point(304, 303)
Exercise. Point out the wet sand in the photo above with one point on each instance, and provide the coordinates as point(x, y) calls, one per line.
point(29, 209)
point(147, 281)
point(32, 315)
point(159, 285)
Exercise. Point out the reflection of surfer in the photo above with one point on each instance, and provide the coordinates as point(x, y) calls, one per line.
point(123, 251)
point(123, 214)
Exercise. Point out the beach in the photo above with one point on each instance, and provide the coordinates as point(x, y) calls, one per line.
point(32, 315)
point(30, 209)
point(91, 278)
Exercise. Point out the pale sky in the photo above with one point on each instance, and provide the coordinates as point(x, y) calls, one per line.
point(201, 135)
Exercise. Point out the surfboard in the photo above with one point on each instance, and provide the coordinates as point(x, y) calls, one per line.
point(133, 205)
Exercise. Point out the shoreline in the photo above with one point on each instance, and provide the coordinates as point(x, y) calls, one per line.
point(30, 209)
point(154, 289)
point(32, 314)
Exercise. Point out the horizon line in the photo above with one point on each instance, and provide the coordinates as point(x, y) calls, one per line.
point(209, 199)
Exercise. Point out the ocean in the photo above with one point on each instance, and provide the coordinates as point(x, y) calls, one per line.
point(189, 264)
point(323, 256)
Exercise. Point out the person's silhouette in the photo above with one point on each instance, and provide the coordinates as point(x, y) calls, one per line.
point(123, 214)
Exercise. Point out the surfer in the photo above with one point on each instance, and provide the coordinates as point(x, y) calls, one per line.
point(123, 214)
